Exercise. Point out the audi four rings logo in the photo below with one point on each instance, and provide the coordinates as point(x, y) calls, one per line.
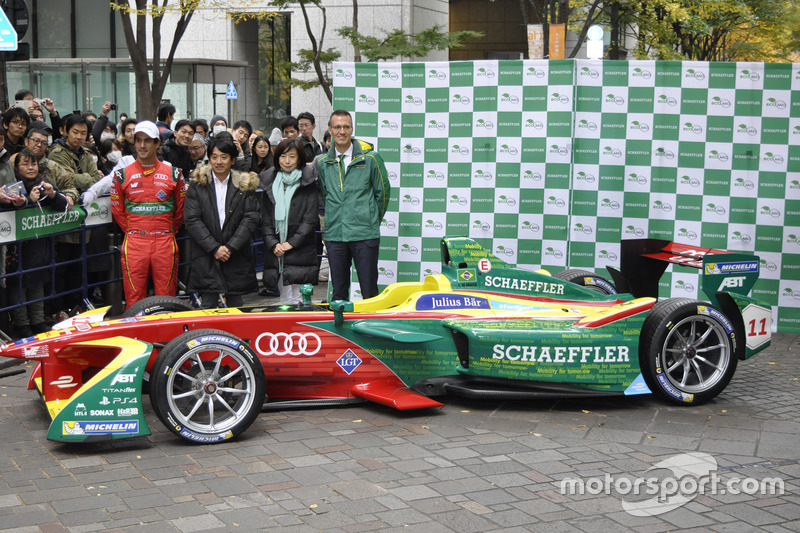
point(288, 344)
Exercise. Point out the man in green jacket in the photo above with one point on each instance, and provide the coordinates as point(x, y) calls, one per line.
point(356, 189)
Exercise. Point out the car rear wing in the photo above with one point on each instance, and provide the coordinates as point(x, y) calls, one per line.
point(643, 262)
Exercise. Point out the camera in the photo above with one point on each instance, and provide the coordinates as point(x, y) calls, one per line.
point(113, 107)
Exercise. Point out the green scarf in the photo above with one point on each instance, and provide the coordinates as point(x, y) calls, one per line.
point(283, 189)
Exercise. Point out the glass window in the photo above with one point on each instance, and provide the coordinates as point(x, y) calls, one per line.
point(93, 29)
point(53, 29)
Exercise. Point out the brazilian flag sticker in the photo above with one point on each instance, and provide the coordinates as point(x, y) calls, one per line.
point(467, 276)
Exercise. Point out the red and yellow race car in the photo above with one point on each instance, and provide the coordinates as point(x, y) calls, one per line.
point(480, 329)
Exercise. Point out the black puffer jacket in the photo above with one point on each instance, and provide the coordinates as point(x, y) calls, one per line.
point(237, 275)
point(178, 156)
point(300, 264)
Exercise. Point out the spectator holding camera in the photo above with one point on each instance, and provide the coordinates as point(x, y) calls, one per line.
point(40, 192)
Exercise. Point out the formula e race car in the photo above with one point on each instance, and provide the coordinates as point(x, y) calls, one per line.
point(481, 329)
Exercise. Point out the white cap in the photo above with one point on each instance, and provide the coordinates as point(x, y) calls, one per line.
point(148, 128)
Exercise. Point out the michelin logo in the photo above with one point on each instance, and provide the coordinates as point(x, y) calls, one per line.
point(95, 428)
point(729, 268)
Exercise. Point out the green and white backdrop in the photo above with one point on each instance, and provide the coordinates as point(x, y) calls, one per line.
point(552, 163)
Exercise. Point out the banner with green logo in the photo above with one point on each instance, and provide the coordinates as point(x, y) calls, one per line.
point(551, 163)
point(35, 222)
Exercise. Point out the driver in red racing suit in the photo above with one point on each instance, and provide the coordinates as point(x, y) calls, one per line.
point(147, 203)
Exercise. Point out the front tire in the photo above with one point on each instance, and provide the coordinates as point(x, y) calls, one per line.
point(207, 386)
point(587, 279)
point(686, 351)
point(157, 305)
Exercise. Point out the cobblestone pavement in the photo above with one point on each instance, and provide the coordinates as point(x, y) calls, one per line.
point(464, 467)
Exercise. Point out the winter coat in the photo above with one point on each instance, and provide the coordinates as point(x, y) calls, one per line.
point(38, 252)
point(207, 274)
point(79, 162)
point(300, 264)
point(356, 201)
point(178, 156)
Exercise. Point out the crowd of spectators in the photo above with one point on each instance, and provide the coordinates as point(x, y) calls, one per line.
point(222, 186)
point(216, 171)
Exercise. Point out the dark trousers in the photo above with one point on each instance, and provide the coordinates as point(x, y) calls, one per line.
point(365, 256)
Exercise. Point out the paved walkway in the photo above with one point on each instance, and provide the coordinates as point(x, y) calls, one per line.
point(465, 467)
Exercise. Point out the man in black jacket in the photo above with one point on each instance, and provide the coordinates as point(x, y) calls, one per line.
point(176, 149)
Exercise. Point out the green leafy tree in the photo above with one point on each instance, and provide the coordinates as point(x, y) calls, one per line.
point(400, 44)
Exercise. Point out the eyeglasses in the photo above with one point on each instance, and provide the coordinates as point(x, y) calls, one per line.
point(18, 123)
point(38, 142)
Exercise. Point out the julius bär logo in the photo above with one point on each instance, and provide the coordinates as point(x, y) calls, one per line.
point(344, 74)
point(535, 72)
point(694, 74)
point(724, 103)
point(716, 209)
point(633, 230)
point(616, 100)
point(388, 75)
point(409, 249)
point(485, 73)
point(741, 237)
point(460, 150)
point(364, 99)
point(411, 200)
point(607, 203)
point(483, 174)
point(668, 100)
point(435, 74)
point(662, 206)
point(690, 181)
point(744, 129)
point(436, 125)
point(585, 176)
point(484, 226)
point(586, 125)
point(458, 99)
point(535, 124)
point(583, 228)
point(590, 72)
point(747, 75)
point(640, 126)
point(641, 73)
point(486, 124)
point(458, 200)
point(558, 202)
point(637, 178)
point(413, 100)
point(687, 234)
point(389, 125)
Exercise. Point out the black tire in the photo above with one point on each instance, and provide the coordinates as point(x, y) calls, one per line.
point(587, 279)
point(686, 351)
point(207, 398)
point(157, 305)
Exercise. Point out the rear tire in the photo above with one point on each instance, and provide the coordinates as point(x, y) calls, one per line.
point(207, 386)
point(587, 279)
point(157, 305)
point(686, 351)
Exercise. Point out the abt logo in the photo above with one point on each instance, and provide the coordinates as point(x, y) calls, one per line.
point(123, 378)
point(732, 283)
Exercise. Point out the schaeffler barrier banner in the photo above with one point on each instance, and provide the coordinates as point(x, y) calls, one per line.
point(552, 163)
